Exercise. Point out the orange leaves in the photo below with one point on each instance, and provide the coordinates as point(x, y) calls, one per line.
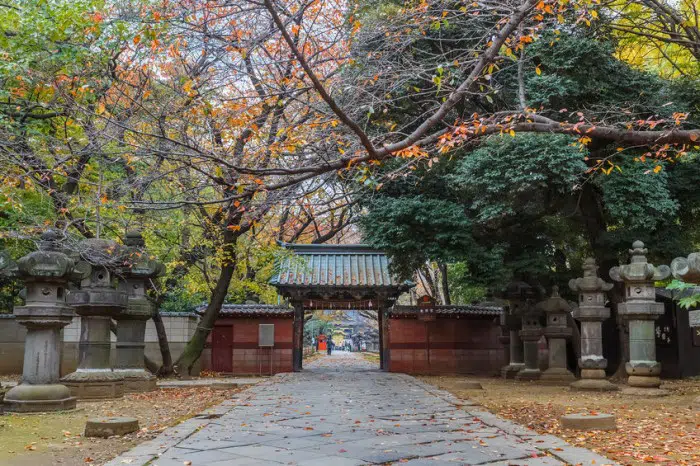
point(411, 152)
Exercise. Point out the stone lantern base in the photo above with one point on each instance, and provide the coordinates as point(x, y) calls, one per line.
point(511, 370)
point(557, 375)
point(137, 381)
point(528, 374)
point(594, 380)
point(94, 384)
point(26, 398)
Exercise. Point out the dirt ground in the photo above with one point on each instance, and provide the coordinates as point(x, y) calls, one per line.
point(662, 430)
point(56, 439)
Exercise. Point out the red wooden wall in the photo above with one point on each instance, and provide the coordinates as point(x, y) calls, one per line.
point(234, 347)
point(445, 346)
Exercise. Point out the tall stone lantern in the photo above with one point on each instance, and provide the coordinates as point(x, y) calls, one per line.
point(46, 274)
point(591, 312)
point(557, 332)
point(131, 324)
point(522, 298)
point(688, 270)
point(640, 309)
point(97, 302)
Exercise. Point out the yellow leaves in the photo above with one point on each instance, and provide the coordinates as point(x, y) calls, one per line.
point(104, 199)
point(511, 132)
point(657, 169)
point(100, 108)
point(187, 87)
point(234, 228)
point(538, 70)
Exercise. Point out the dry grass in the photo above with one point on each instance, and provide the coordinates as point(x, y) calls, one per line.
point(50, 439)
point(650, 430)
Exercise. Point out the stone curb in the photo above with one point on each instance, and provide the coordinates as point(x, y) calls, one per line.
point(549, 444)
point(146, 452)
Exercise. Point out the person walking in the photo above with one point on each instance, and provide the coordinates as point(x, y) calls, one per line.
point(329, 349)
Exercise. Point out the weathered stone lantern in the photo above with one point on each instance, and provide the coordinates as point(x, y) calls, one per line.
point(640, 309)
point(131, 324)
point(591, 312)
point(97, 302)
point(557, 332)
point(688, 270)
point(522, 298)
point(46, 273)
point(511, 322)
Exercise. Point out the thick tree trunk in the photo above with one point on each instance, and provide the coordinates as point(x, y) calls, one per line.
point(193, 350)
point(167, 367)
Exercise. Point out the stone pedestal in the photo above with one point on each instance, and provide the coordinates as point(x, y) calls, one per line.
point(511, 324)
point(530, 334)
point(131, 324)
point(640, 310)
point(46, 273)
point(97, 302)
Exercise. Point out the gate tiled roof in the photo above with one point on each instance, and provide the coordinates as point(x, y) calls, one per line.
point(469, 309)
point(251, 309)
point(354, 265)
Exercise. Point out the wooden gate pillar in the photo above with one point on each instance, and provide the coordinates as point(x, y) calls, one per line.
point(383, 321)
point(298, 336)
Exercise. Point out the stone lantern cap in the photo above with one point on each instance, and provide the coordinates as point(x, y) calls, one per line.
point(639, 270)
point(97, 295)
point(48, 263)
point(590, 282)
point(687, 269)
point(522, 297)
point(555, 308)
point(591, 289)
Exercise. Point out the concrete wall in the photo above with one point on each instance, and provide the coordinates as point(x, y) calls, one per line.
point(179, 327)
point(445, 346)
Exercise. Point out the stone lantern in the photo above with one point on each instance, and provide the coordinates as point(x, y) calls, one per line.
point(46, 274)
point(640, 309)
point(523, 343)
point(591, 312)
point(131, 324)
point(97, 302)
point(688, 270)
point(557, 332)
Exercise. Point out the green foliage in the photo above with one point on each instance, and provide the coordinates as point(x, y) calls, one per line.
point(523, 175)
point(691, 299)
point(179, 300)
point(637, 198)
point(417, 228)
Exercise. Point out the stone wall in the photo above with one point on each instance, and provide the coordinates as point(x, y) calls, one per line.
point(179, 327)
point(445, 346)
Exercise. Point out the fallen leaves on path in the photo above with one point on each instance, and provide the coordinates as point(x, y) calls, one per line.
point(662, 430)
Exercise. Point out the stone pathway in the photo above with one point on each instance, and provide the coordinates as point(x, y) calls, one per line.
point(342, 411)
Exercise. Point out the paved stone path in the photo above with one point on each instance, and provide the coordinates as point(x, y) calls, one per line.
point(341, 411)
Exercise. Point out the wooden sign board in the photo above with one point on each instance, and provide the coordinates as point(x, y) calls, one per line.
point(266, 335)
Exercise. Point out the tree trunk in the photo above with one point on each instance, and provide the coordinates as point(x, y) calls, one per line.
point(167, 367)
point(193, 350)
point(445, 284)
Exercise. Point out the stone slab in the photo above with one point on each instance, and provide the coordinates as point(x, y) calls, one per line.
point(588, 421)
point(110, 426)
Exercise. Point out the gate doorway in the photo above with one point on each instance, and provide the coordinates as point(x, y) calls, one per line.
point(343, 277)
